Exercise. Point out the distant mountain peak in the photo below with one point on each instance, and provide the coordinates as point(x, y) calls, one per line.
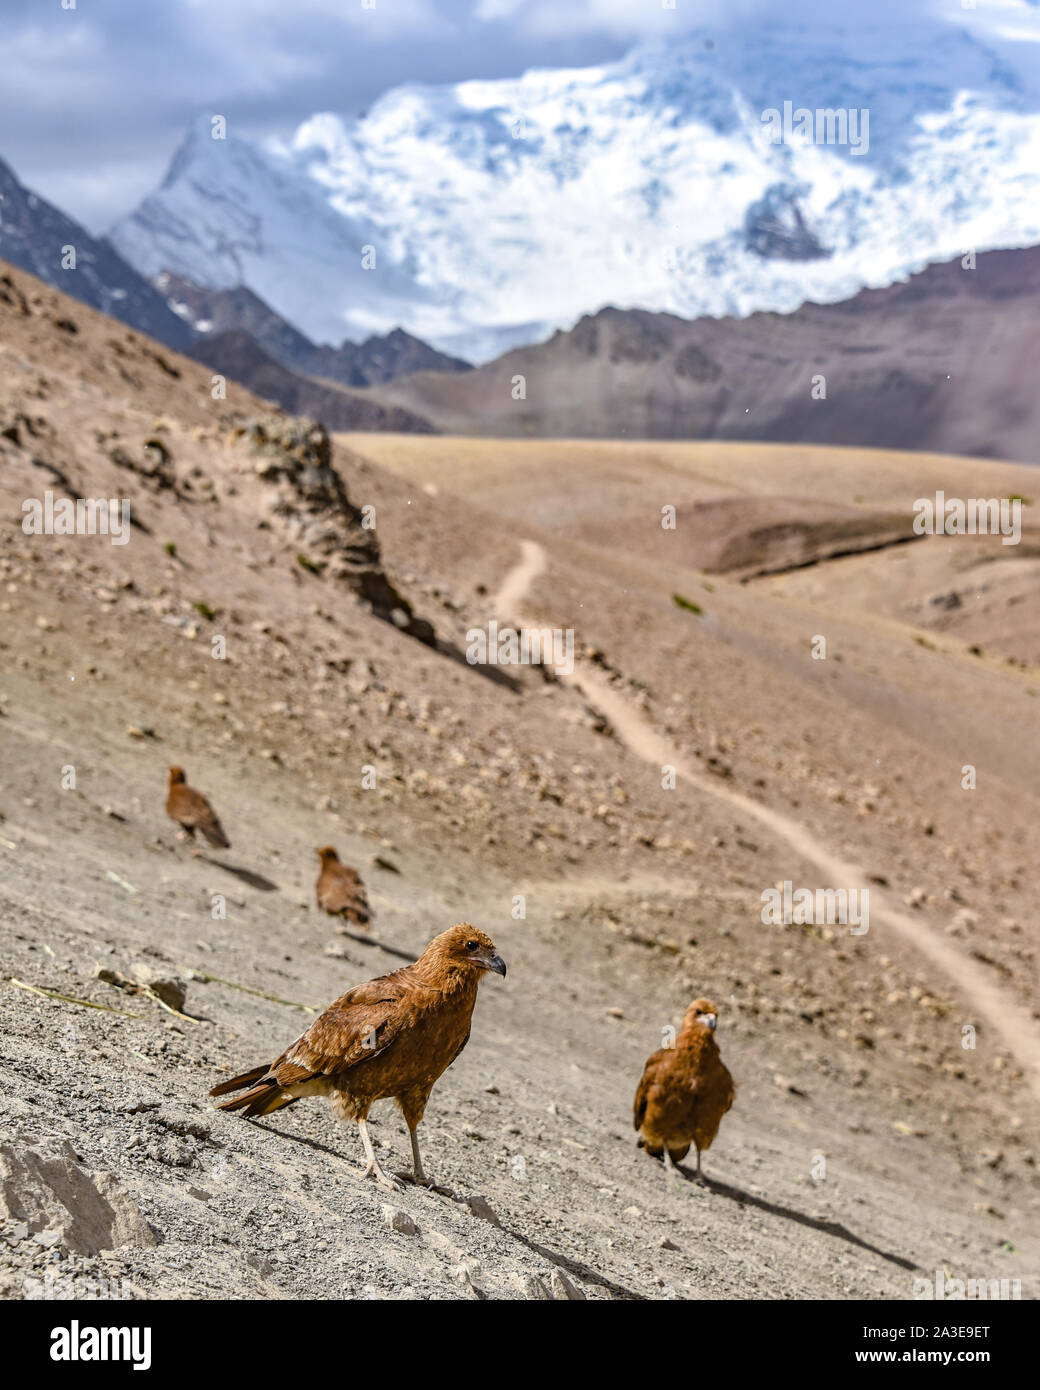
point(34, 235)
point(495, 211)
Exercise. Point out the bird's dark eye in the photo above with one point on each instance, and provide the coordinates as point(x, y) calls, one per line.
point(472, 945)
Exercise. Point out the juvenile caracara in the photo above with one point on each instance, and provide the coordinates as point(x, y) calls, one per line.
point(192, 811)
point(339, 890)
point(684, 1092)
point(391, 1037)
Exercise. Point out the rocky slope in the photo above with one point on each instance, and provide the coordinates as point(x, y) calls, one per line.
point(37, 236)
point(867, 1146)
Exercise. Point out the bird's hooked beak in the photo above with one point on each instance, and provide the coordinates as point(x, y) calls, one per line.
point(712, 1020)
point(495, 963)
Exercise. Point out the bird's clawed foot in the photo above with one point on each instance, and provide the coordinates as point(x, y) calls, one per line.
point(373, 1169)
point(670, 1166)
point(421, 1180)
point(376, 1173)
point(402, 1176)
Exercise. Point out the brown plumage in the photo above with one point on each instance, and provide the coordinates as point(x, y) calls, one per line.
point(192, 811)
point(339, 890)
point(391, 1037)
point(685, 1091)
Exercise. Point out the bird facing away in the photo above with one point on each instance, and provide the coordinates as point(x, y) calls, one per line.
point(192, 811)
point(391, 1037)
point(339, 890)
point(684, 1092)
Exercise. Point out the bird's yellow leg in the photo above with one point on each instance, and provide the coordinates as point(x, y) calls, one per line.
point(417, 1168)
point(669, 1164)
point(373, 1170)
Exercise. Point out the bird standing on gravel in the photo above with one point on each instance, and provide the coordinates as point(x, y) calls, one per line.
point(684, 1092)
point(339, 890)
point(392, 1037)
point(192, 811)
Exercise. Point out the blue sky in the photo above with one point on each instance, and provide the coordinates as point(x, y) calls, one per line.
point(94, 99)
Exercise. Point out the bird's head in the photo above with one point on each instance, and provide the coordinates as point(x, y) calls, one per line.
point(175, 775)
point(328, 855)
point(463, 949)
point(702, 1013)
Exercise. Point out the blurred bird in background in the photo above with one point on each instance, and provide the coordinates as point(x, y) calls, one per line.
point(192, 811)
point(684, 1092)
point(339, 890)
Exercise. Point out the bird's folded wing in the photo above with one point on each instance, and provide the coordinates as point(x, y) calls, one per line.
point(357, 1027)
point(192, 805)
point(642, 1091)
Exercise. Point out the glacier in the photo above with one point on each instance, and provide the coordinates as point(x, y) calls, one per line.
point(488, 213)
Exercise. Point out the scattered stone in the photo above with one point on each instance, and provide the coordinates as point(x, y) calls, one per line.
point(172, 992)
point(399, 1221)
point(786, 1085)
point(947, 601)
point(464, 1275)
point(45, 1188)
point(563, 1290)
point(533, 1289)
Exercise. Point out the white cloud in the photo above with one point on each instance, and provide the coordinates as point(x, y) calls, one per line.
point(399, 18)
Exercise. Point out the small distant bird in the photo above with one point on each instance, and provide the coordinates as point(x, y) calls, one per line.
point(684, 1092)
point(339, 890)
point(389, 1038)
point(192, 811)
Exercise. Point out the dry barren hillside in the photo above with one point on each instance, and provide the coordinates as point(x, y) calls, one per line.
point(867, 1146)
point(940, 362)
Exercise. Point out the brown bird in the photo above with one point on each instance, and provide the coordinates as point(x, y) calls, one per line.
point(391, 1037)
point(339, 890)
point(684, 1092)
point(192, 811)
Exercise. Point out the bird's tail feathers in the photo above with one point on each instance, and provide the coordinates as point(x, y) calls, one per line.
point(263, 1099)
point(263, 1096)
point(237, 1082)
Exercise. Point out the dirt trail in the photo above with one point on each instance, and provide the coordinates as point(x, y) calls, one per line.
point(518, 581)
point(1008, 1019)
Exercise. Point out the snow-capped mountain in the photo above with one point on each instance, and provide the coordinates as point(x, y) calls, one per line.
point(37, 236)
point(486, 214)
